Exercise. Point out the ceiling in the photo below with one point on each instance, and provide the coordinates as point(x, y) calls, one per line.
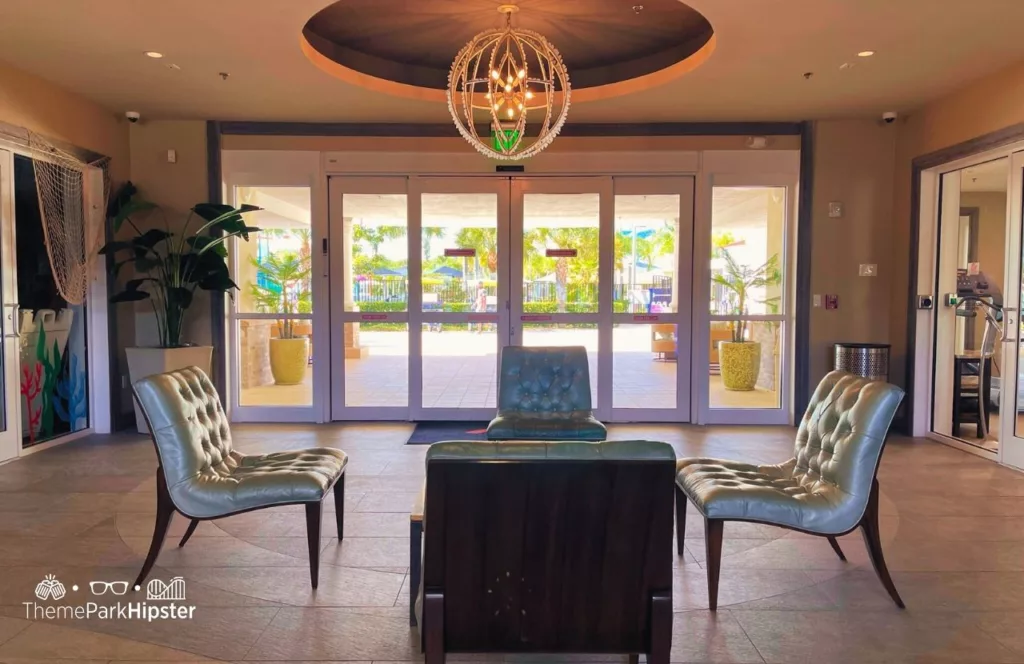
point(924, 49)
point(601, 41)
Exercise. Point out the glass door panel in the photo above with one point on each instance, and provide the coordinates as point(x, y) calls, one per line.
point(1011, 406)
point(748, 303)
point(272, 313)
point(651, 299)
point(463, 308)
point(561, 259)
point(370, 298)
point(10, 429)
point(969, 317)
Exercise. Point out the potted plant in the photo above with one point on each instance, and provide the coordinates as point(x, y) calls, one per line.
point(740, 359)
point(285, 290)
point(169, 267)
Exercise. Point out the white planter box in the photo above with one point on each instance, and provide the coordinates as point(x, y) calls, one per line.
point(143, 362)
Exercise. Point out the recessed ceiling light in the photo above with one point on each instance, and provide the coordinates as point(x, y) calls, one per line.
point(154, 54)
point(865, 54)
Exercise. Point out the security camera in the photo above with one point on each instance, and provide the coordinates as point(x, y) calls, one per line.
point(133, 116)
point(889, 117)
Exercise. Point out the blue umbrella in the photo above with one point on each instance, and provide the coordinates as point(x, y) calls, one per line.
point(387, 272)
point(447, 271)
point(642, 234)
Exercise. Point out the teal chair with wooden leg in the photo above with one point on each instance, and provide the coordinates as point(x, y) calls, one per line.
point(544, 394)
point(201, 476)
point(827, 489)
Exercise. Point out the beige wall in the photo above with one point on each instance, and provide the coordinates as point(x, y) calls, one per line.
point(989, 104)
point(175, 188)
point(853, 164)
point(33, 103)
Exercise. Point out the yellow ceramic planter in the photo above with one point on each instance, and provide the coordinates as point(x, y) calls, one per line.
point(288, 360)
point(740, 363)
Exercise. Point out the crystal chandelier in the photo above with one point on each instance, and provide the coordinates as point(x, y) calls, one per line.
point(511, 81)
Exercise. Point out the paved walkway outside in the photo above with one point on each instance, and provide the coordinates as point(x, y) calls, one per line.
point(460, 371)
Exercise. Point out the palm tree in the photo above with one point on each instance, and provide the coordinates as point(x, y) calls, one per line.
point(287, 291)
point(740, 280)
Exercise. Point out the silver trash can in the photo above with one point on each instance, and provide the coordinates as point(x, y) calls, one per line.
point(867, 360)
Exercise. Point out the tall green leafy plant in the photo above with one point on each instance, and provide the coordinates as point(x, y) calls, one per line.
point(287, 287)
point(740, 280)
point(170, 267)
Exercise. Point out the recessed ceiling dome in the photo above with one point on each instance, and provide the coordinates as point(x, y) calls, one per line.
point(610, 47)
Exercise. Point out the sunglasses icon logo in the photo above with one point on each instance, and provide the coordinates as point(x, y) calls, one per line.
point(115, 587)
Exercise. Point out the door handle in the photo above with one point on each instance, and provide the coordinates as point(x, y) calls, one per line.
point(13, 317)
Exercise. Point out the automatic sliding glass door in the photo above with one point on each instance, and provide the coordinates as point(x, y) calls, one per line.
point(369, 267)
point(432, 277)
point(460, 307)
point(651, 299)
point(561, 256)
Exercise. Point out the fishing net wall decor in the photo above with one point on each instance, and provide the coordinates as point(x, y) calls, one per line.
point(72, 240)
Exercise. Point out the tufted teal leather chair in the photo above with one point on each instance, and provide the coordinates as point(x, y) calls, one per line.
point(828, 488)
point(544, 394)
point(546, 547)
point(203, 477)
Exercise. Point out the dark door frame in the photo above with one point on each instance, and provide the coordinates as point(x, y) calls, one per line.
point(805, 130)
point(965, 149)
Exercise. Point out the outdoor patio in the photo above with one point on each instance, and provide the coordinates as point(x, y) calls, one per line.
point(460, 371)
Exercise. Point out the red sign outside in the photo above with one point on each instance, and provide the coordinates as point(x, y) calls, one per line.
point(458, 252)
point(561, 253)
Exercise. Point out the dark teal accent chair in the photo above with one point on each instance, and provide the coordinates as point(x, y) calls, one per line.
point(544, 394)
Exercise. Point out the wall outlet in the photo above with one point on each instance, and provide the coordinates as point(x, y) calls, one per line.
point(835, 210)
point(868, 270)
point(816, 300)
point(172, 156)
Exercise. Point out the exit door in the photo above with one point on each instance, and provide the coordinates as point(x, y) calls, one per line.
point(432, 276)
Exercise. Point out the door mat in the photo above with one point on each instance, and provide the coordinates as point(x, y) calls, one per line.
point(426, 433)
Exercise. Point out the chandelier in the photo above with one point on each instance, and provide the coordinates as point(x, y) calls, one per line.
point(512, 82)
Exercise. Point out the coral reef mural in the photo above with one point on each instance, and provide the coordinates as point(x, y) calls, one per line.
point(53, 380)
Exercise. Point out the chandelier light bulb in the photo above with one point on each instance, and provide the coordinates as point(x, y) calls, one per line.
point(478, 91)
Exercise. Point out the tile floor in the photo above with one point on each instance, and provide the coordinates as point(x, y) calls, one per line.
point(460, 371)
point(953, 527)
